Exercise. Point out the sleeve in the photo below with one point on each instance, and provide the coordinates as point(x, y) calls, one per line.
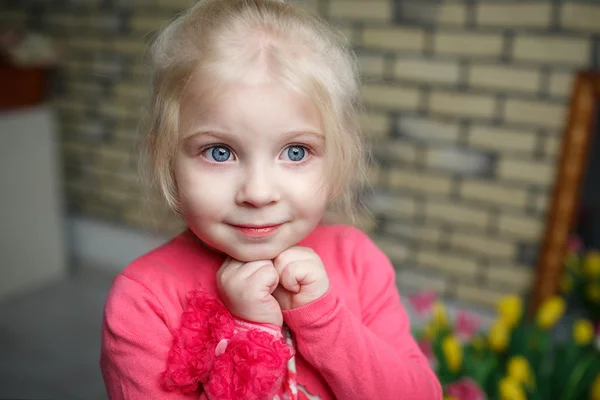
point(370, 358)
point(135, 344)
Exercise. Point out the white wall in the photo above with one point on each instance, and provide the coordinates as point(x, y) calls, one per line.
point(32, 249)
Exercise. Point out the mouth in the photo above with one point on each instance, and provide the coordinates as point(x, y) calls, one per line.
point(257, 231)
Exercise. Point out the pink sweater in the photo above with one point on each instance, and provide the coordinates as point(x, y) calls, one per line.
point(352, 343)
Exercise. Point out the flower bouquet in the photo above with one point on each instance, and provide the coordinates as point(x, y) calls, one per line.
point(581, 278)
point(516, 358)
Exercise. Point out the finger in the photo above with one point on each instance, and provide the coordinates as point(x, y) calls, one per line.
point(265, 278)
point(247, 269)
point(293, 276)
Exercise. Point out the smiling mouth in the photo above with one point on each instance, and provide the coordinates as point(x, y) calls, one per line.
point(257, 231)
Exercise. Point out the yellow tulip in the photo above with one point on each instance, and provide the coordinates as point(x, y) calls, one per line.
point(592, 291)
point(510, 389)
point(440, 318)
point(583, 332)
point(498, 336)
point(591, 265)
point(453, 353)
point(566, 283)
point(550, 312)
point(519, 369)
point(595, 389)
point(510, 309)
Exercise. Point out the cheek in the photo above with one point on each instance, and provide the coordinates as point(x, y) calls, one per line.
point(202, 191)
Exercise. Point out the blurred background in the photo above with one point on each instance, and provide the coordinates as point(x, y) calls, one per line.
point(467, 103)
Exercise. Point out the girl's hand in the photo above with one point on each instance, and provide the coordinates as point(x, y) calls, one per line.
point(246, 290)
point(302, 277)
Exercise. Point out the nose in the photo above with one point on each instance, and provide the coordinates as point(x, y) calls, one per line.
point(257, 188)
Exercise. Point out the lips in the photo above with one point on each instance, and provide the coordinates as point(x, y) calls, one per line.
point(257, 231)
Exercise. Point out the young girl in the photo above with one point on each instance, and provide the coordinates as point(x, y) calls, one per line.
point(252, 133)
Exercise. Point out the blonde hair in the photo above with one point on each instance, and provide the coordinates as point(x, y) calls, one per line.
point(221, 39)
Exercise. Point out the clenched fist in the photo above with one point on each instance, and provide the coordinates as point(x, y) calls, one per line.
point(246, 290)
point(302, 277)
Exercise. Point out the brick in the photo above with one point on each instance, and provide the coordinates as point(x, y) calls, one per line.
point(371, 65)
point(541, 203)
point(540, 113)
point(419, 182)
point(396, 251)
point(141, 24)
point(581, 17)
point(535, 15)
point(462, 104)
point(396, 151)
point(561, 84)
point(457, 214)
point(174, 4)
point(468, 43)
point(565, 50)
point(415, 232)
point(392, 205)
point(374, 10)
point(493, 193)
point(552, 146)
point(130, 91)
point(414, 281)
point(375, 124)
point(501, 139)
point(450, 264)
point(526, 171)
point(460, 160)
point(477, 294)
point(516, 277)
point(481, 244)
point(451, 13)
point(86, 43)
point(504, 78)
point(427, 71)
point(312, 6)
point(428, 130)
point(520, 226)
point(109, 157)
point(394, 38)
point(391, 97)
point(347, 32)
point(135, 47)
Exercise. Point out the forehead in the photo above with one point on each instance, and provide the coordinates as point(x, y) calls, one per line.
point(264, 104)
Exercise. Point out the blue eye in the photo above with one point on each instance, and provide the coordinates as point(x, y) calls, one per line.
point(295, 153)
point(219, 153)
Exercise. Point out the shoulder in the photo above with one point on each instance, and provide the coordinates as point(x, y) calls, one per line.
point(160, 280)
point(337, 237)
point(345, 246)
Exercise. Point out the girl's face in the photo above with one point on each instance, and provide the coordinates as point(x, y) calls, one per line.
point(250, 169)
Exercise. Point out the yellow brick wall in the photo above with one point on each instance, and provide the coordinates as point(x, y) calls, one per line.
point(466, 103)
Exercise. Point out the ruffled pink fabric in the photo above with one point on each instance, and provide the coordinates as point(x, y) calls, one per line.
point(252, 366)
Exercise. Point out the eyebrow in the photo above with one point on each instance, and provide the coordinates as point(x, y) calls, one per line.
point(225, 136)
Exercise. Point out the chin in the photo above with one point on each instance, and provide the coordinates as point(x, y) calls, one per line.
point(248, 253)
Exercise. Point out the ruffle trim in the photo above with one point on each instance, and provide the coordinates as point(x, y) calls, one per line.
point(251, 363)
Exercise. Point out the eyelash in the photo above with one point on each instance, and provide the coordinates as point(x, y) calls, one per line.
point(307, 149)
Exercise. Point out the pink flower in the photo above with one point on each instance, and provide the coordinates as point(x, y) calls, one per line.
point(466, 325)
point(465, 389)
point(427, 351)
point(423, 302)
point(575, 244)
